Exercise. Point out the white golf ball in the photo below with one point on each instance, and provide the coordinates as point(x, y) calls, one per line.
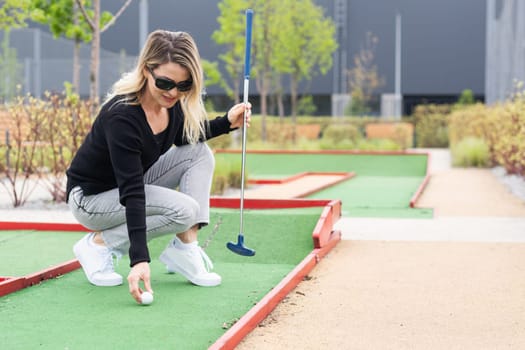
point(146, 298)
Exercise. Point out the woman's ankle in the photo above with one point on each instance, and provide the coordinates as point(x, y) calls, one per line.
point(97, 239)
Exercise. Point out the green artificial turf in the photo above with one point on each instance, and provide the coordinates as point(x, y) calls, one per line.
point(262, 165)
point(26, 252)
point(69, 313)
point(377, 196)
point(383, 185)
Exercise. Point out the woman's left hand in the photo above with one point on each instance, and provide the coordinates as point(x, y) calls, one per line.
point(139, 272)
point(236, 113)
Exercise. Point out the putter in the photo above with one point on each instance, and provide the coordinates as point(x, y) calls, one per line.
point(239, 247)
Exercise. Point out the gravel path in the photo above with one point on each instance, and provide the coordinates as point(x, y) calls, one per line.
point(453, 282)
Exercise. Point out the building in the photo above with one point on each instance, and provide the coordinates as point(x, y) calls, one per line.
point(443, 46)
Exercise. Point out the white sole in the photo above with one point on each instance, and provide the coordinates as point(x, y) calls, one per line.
point(173, 268)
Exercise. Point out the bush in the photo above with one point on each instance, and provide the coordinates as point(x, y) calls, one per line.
point(378, 145)
point(227, 175)
point(501, 127)
point(44, 134)
point(399, 132)
point(466, 98)
point(336, 133)
point(471, 152)
point(431, 125)
point(222, 142)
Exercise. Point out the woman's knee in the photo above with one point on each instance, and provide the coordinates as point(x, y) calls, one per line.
point(187, 212)
point(206, 155)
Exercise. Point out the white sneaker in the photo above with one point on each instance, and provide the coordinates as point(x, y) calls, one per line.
point(97, 262)
point(190, 261)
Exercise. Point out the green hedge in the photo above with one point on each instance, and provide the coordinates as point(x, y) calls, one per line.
point(502, 127)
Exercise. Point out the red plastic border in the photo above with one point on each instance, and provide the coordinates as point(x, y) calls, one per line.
point(254, 203)
point(41, 226)
point(12, 284)
point(263, 308)
point(295, 177)
point(423, 184)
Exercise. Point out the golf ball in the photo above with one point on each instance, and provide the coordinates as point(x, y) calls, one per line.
point(146, 298)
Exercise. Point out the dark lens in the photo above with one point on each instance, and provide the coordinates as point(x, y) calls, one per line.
point(184, 85)
point(164, 84)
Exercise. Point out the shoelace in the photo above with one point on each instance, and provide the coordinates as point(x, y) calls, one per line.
point(108, 260)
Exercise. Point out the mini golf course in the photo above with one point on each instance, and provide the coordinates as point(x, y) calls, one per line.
point(47, 303)
point(384, 185)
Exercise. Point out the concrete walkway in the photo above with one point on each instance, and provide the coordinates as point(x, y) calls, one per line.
point(465, 210)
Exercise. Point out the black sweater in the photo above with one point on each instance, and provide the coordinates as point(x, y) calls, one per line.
point(117, 152)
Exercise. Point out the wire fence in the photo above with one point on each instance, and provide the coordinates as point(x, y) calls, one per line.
point(34, 62)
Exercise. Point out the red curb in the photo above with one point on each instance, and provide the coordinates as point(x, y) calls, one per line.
point(323, 229)
point(10, 285)
point(256, 314)
point(278, 181)
point(419, 191)
point(13, 284)
point(262, 309)
point(253, 203)
point(51, 272)
point(41, 226)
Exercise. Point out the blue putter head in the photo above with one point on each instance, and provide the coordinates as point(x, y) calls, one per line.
point(239, 248)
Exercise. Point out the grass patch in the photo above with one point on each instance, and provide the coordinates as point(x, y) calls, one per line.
point(471, 152)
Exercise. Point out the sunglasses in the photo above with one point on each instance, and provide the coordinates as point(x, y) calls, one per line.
point(168, 84)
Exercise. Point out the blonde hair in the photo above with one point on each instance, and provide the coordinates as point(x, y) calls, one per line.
point(162, 47)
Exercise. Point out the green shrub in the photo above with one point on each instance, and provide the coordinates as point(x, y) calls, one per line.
point(227, 175)
point(328, 144)
point(471, 152)
point(221, 142)
point(378, 145)
point(341, 132)
point(466, 98)
point(431, 125)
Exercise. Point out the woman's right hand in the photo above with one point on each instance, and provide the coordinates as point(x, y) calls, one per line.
point(139, 272)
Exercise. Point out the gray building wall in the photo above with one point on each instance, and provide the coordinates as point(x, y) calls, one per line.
point(443, 42)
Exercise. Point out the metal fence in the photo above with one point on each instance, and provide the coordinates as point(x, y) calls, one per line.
point(43, 63)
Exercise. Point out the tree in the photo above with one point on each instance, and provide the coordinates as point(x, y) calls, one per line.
point(98, 24)
point(308, 44)
point(10, 69)
point(289, 37)
point(363, 77)
point(64, 19)
point(213, 76)
point(268, 26)
point(231, 34)
point(14, 13)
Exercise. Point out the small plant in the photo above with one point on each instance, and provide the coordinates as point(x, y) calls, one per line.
point(466, 98)
point(226, 175)
point(471, 152)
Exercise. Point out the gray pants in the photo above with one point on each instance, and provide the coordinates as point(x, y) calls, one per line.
point(188, 168)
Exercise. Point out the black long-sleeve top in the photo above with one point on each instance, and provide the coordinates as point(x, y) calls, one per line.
point(117, 152)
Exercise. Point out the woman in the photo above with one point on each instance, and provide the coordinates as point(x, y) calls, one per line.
point(122, 182)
